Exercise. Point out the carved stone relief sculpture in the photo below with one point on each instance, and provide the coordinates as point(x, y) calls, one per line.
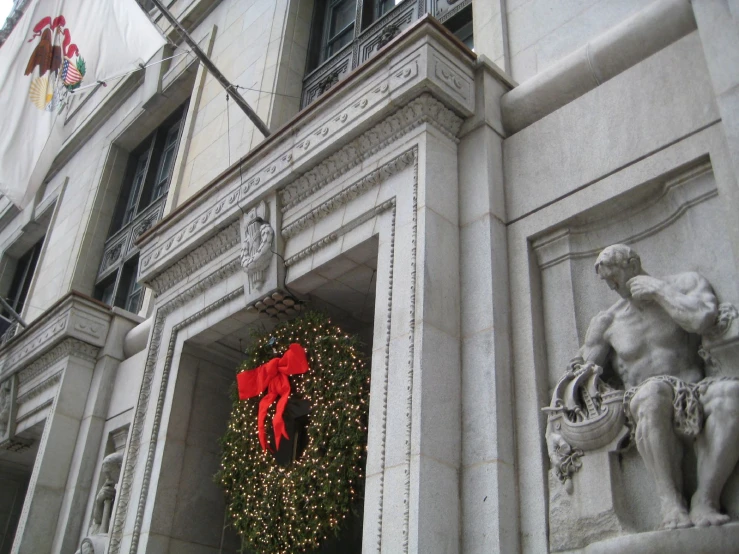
point(103, 508)
point(389, 32)
point(6, 408)
point(257, 238)
point(654, 341)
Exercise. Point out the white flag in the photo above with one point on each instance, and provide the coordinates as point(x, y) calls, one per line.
point(57, 47)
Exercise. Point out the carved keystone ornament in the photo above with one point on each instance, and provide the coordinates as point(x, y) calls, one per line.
point(257, 239)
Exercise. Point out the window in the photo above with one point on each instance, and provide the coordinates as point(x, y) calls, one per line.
point(379, 8)
point(22, 276)
point(149, 171)
point(347, 33)
point(339, 26)
point(140, 205)
point(148, 5)
point(461, 25)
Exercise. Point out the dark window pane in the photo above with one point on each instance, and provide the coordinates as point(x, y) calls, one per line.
point(166, 162)
point(461, 25)
point(22, 277)
point(385, 6)
point(147, 179)
point(133, 302)
point(341, 15)
point(129, 293)
point(105, 291)
point(465, 35)
point(138, 181)
point(339, 42)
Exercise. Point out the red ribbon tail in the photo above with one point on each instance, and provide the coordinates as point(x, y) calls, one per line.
point(264, 405)
point(278, 422)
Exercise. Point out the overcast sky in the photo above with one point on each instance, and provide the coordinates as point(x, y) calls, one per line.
point(5, 6)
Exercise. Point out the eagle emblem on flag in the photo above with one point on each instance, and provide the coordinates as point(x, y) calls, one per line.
point(55, 63)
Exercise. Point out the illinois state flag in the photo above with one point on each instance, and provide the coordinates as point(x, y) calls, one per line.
point(58, 47)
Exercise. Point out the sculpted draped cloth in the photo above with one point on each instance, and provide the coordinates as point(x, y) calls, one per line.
point(687, 407)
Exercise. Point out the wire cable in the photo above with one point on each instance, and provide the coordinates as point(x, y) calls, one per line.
point(140, 67)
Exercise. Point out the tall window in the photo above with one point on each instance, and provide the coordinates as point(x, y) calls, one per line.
point(22, 276)
point(338, 26)
point(25, 267)
point(140, 205)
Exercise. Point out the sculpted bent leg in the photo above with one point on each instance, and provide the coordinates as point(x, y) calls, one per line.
point(717, 450)
point(661, 450)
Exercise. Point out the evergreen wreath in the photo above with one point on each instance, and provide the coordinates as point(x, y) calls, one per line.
point(296, 508)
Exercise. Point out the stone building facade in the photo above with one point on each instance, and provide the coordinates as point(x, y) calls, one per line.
point(446, 204)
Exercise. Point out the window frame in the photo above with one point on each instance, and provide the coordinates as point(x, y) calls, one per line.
point(140, 204)
point(20, 284)
point(376, 23)
point(328, 40)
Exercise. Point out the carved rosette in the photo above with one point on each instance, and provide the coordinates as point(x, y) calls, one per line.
point(585, 414)
point(257, 238)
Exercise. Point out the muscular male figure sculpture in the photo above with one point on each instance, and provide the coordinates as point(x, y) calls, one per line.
point(651, 338)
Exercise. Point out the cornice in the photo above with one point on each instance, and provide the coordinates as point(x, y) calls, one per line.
point(74, 317)
point(421, 79)
point(424, 109)
point(65, 348)
point(198, 258)
point(352, 191)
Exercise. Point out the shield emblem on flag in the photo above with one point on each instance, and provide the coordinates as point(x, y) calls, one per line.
point(57, 63)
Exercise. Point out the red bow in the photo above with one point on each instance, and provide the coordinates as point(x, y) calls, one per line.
point(273, 376)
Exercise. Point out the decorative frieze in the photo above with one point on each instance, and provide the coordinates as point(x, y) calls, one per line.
point(352, 191)
point(424, 109)
point(77, 325)
point(45, 385)
point(222, 242)
point(64, 348)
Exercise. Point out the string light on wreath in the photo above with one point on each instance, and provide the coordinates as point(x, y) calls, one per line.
point(278, 509)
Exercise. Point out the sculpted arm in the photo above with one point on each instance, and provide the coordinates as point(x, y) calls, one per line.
point(687, 298)
point(596, 348)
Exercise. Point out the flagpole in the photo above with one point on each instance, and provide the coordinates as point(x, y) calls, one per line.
point(13, 313)
point(220, 77)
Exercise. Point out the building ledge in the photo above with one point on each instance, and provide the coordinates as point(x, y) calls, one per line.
point(426, 58)
point(75, 316)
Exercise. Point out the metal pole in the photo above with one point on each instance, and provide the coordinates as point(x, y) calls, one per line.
point(230, 89)
point(13, 313)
